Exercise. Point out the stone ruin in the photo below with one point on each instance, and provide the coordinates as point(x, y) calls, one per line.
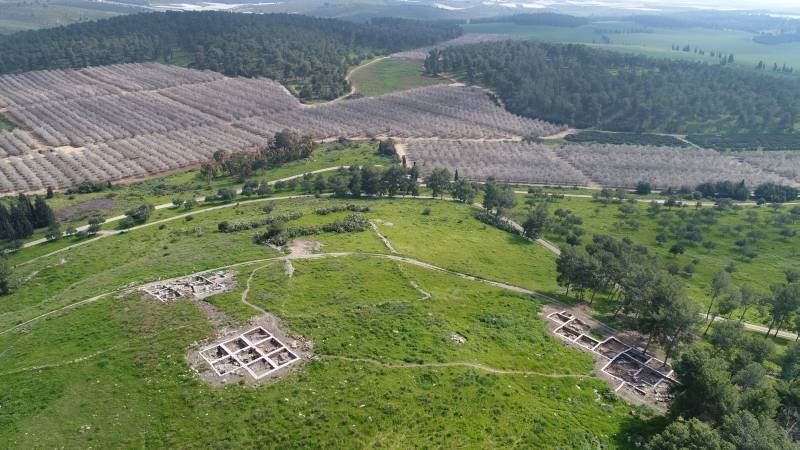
point(637, 372)
point(256, 352)
point(191, 287)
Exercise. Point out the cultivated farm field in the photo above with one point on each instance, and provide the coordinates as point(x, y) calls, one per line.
point(130, 121)
point(601, 164)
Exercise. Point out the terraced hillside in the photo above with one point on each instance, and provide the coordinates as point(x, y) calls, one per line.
point(137, 120)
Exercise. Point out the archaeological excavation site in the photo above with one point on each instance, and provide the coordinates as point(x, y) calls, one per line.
point(631, 371)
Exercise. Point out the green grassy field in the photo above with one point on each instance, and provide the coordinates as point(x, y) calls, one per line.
point(657, 42)
point(26, 15)
point(112, 373)
point(776, 253)
point(390, 75)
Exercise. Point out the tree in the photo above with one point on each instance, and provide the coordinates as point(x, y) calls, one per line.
point(497, 197)
point(439, 181)
point(370, 181)
point(790, 363)
point(226, 194)
point(393, 180)
point(5, 278)
point(748, 298)
point(784, 302)
point(577, 271)
point(354, 185)
point(49, 193)
point(95, 223)
point(536, 222)
point(677, 249)
point(54, 232)
point(6, 230)
point(464, 191)
point(20, 223)
point(750, 432)
point(689, 434)
point(42, 214)
point(720, 282)
point(643, 188)
point(705, 391)
point(137, 215)
point(676, 321)
point(387, 148)
point(729, 302)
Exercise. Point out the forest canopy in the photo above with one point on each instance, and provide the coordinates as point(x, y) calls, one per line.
point(307, 54)
point(590, 88)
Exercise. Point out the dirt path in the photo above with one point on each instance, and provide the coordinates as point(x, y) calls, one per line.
point(546, 244)
point(246, 291)
point(197, 199)
point(561, 135)
point(468, 365)
point(382, 238)
point(349, 79)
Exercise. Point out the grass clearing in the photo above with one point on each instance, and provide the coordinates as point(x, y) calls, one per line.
point(140, 392)
point(390, 75)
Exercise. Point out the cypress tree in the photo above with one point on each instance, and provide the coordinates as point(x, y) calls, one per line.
point(5, 278)
point(6, 230)
point(42, 215)
point(25, 206)
point(22, 226)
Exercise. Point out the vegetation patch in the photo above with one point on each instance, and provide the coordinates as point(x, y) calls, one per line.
point(390, 75)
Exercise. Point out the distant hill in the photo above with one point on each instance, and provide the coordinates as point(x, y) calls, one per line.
point(309, 55)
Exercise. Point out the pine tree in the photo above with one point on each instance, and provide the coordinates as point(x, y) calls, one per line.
point(6, 230)
point(22, 226)
point(5, 278)
point(24, 204)
point(42, 214)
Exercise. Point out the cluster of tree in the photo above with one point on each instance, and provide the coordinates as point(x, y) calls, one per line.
point(730, 397)
point(541, 19)
point(284, 147)
point(775, 193)
point(309, 54)
point(724, 189)
point(764, 141)
point(24, 216)
point(626, 139)
point(5, 277)
point(723, 59)
point(646, 296)
point(278, 234)
point(227, 227)
point(85, 187)
point(374, 181)
point(591, 88)
point(775, 67)
point(387, 148)
point(766, 192)
point(538, 220)
point(136, 216)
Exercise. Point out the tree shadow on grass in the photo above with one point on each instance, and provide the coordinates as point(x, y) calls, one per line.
point(635, 430)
